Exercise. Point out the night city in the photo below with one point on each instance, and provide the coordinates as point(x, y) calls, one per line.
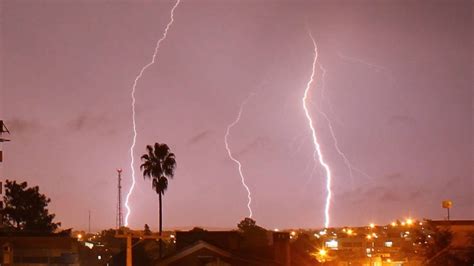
point(236, 132)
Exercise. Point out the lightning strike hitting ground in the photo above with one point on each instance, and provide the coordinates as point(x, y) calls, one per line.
point(140, 74)
point(315, 139)
point(239, 165)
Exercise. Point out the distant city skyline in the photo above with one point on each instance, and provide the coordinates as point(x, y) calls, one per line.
point(397, 90)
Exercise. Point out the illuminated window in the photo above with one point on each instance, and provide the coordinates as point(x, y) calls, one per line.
point(389, 244)
point(332, 244)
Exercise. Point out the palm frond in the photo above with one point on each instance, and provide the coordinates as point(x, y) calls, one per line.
point(169, 165)
point(158, 164)
point(160, 185)
point(161, 150)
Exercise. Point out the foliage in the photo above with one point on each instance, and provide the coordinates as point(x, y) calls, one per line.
point(435, 245)
point(159, 165)
point(147, 230)
point(248, 225)
point(254, 235)
point(108, 239)
point(26, 209)
point(198, 229)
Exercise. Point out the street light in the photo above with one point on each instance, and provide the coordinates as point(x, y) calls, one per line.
point(447, 204)
point(322, 252)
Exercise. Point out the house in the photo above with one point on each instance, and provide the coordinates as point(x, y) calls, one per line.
point(462, 230)
point(225, 248)
point(39, 250)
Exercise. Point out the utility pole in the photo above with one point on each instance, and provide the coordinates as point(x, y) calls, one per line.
point(127, 234)
point(89, 221)
point(119, 218)
point(3, 129)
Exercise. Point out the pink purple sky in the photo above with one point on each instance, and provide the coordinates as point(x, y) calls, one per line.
point(397, 88)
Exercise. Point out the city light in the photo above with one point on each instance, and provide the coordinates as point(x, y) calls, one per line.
point(372, 225)
point(332, 244)
point(322, 252)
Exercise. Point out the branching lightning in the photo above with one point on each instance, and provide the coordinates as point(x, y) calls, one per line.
point(373, 66)
point(239, 165)
point(357, 60)
point(348, 163)
point(140, 74)
point(315, 139)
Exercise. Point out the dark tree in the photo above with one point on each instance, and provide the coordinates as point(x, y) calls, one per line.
point(254, 235)
point(197, 229)
point(147, 230)
point(436, 246)
point(158, 165)
point(247, 224)
point(26, 209)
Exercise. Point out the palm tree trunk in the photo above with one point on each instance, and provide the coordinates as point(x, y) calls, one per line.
point(161, 226)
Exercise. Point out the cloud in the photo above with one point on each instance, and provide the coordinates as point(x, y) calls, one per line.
point(87, 122)
point(393, 189)
point(393, 176)
point(199, 137)
point(257, 143)
point(22, 126)
point(402, 120)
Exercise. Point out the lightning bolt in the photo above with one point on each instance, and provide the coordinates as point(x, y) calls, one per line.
point(315, 139)
point(347, 162)
point(380, 69)
point(239, 165)
point(137, 78)
point(357, 60)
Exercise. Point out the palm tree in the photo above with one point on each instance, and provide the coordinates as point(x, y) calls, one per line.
point(159, 165)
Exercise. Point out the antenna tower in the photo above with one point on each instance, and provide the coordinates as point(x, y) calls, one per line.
point(119, 218)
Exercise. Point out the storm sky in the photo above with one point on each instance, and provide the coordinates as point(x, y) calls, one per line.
point(397, 89)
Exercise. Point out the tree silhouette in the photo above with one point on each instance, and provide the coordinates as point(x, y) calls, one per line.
point(158, 165)
point(26, 209)
point(147, 230)
point(254, 235)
